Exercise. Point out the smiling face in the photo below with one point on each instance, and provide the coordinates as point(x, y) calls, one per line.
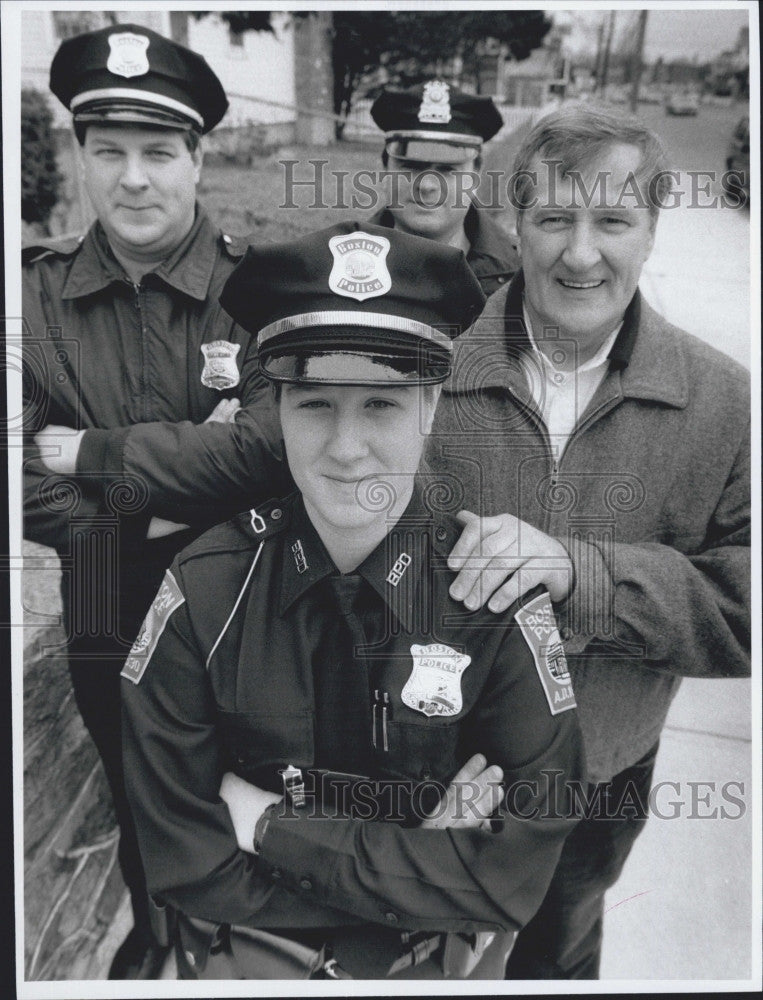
point(429, 199)
point(142, 183)
point(582, 264)
point(353, 452)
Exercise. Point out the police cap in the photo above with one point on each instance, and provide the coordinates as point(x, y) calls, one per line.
point(355, 304)
point(132, 75)
point(435, 123)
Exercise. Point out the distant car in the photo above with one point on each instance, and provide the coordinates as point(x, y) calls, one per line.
point(737, 183)
point(682, 104)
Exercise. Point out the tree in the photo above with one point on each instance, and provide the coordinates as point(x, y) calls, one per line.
point(40, 179)
point(409, 45)
point(412, 45)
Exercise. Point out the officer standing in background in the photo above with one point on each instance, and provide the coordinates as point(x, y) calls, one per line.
point(309, 647)
point(128, 318)
point(433, 151)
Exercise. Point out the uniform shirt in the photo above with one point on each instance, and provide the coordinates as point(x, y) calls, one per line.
point(562, 395)
point(106, 355)
point(491, 255)
point(258, 655)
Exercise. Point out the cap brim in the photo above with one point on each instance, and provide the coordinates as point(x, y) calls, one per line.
point(132, 104)
point(134, 116)
point(432, 151)
point(347, 358)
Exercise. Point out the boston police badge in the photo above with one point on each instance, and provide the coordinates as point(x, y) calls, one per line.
point(434, 686)
point(360, 266)
point(128, 56)
point(435, 103)
point(538, 624)
point(220, 370)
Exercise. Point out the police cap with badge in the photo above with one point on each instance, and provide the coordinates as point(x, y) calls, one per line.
point(354, 304)
point(435, 123)
point(127, 74)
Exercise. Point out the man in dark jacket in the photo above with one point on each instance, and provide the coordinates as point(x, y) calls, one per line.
point(123, 327)
point(433, 138)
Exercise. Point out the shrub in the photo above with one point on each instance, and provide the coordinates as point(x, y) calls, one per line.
point(40, 179)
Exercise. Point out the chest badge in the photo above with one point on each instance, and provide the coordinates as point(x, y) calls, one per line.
point(220, 369)
point(434, 686)
point(360, 266)
point(129, 54)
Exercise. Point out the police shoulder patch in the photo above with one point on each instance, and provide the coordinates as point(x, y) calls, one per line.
point(538, 623)
point(168, 599)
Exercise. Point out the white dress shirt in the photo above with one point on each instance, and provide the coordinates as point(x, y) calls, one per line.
point(562, 395)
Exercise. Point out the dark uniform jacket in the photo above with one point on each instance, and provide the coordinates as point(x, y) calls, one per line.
point(257, 655)
point(650, 495)
point(491, 255)
point(104, 354)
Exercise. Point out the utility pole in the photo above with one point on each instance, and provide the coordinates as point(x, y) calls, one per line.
point(607, 47)
point(637, 62)
point(599, 54)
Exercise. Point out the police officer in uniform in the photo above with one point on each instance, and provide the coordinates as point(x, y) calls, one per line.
point(123, 327)
point(433, 137)
point(304, 689)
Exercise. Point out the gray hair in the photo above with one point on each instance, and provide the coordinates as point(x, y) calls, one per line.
point(576, 134)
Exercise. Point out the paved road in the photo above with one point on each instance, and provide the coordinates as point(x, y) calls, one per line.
point(695, 143)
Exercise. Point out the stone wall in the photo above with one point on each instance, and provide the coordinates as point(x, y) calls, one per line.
point(72, 884)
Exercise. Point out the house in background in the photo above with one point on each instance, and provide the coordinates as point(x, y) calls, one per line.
point(540, 78)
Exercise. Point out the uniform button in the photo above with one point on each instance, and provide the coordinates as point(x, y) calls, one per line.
point(276, 874)
point(441, 534)
point(501, 280)
point(276, 513)
point(190, 958)
point(566, 633)
point(306, 884)
point(391, 917)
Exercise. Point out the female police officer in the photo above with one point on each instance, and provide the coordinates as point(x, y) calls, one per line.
point(309, 651)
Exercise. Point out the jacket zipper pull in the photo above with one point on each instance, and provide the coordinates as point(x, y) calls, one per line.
point(385, 710)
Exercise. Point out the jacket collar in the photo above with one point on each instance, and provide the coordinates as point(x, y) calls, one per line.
point(189, 269)
point(648, 364)
point(306, 562)
point(485, 236)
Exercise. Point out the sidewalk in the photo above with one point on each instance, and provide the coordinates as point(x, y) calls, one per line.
point(682, 908)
